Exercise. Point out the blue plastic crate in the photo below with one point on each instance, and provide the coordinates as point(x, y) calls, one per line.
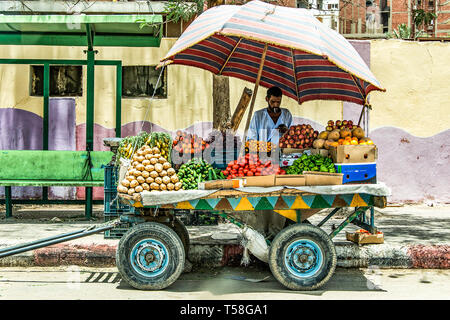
point(112, 205)
point(221, 160)
point(224, 158)
point(116, 232)
point(356, 173)
point(111, 177)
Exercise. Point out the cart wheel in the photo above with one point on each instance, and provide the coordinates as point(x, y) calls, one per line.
point(150, 256)
point(182, 232)
point(302, 257)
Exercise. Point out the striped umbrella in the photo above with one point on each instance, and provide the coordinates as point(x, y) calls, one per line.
point(275, 46)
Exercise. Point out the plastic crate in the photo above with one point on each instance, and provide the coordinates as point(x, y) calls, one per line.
point(197, 217)
point(117, 232)
point(111, 177)
point(356, 173)
point(224, 158)
point(112, 204)
point(205, 218)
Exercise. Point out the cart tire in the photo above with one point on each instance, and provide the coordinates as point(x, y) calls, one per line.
point(182, 232)
point(150, 256)
point(302, 257)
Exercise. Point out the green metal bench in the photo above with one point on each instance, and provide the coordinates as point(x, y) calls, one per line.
point(42, 168)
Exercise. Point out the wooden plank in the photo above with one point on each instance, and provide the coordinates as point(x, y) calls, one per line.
point(240, 109)
point(252, 103)
point(238, 194)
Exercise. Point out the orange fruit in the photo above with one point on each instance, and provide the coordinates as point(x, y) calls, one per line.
point(348, 138)
point(340, 141)
point(354, 142)
point(369, 142)
point(346, 142)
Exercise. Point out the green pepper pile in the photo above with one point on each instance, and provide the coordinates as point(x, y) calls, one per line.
point(195, 171)
point(314, 162)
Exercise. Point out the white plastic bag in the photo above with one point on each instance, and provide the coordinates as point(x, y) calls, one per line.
point(124, 165)
point(256, 244)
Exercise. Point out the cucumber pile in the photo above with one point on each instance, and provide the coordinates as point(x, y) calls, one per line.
point(195, 171)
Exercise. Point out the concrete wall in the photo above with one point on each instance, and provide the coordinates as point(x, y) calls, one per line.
point(409, 122)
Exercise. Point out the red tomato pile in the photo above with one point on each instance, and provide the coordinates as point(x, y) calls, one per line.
point(188, 143)
point(250, 165)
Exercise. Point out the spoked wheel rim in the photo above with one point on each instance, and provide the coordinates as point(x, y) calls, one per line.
point(149, 258)
point(303, 258)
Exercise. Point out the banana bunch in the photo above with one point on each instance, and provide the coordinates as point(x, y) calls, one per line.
point(127, 144)
point(163, 141)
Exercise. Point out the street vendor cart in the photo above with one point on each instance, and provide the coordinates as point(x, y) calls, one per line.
point(302, 256)
point(270, 46)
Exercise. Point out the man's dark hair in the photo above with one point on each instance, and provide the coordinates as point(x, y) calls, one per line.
point(274, 91)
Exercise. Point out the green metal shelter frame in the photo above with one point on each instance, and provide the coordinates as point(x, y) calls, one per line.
point(79, 30)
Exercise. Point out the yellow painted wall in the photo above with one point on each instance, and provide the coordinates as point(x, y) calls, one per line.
point(188, 98)
point(416, 76)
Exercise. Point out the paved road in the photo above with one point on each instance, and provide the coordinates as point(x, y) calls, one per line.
point(72, 283)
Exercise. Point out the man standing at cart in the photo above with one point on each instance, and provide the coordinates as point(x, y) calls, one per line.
point(268, 125)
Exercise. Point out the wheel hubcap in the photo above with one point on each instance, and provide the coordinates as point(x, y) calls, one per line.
point(303, 258)
point(149, 257)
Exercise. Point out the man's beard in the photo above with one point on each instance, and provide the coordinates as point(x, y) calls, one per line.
point(275, 110)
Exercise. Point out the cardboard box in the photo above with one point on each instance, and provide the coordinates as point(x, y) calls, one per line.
point(364, 237)
point(290, 180)
point(314, 178)
point(322, 152)
point(294, 150)
point(259, 181)
point(354, 153)
point(221, 184)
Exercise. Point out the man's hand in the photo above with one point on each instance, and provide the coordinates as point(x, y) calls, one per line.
point(283, 129)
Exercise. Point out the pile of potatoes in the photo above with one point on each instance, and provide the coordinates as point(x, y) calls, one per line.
point(149, 171)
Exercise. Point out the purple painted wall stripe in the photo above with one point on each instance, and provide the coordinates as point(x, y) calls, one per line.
point(20, 130)
point(61, 136)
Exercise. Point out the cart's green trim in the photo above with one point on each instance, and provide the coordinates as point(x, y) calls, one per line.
point(290, 206)
point(282, 202)
point(348, 220)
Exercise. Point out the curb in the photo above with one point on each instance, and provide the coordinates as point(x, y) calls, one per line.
point(349, 255)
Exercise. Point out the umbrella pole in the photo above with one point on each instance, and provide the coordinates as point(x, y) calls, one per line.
point(252, 103)
point(362, 112)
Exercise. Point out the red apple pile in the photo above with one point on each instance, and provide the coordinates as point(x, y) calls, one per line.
point(340, 124)
point(300, 136)
point(250, 165)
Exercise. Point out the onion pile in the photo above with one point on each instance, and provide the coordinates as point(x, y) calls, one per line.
point(149, 171)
